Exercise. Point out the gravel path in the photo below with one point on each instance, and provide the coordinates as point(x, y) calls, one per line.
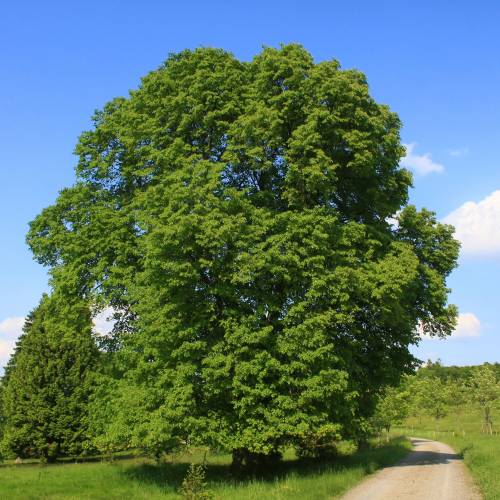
point(432, 471)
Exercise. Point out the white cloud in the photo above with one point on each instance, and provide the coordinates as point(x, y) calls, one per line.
point(420, 164)
point(468, 325)
point(103, 321)
point(477, 225)
point(11, 326)
point(10, 329)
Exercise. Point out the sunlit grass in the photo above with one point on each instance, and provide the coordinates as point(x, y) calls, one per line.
point(139, 478)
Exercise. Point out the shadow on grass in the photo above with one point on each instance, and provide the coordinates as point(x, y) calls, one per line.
point(173, 474)
point(35, 462)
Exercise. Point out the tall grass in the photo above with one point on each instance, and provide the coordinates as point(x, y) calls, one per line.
point(138, 478)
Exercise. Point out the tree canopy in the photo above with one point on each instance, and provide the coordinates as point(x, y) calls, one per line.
point(236, 216)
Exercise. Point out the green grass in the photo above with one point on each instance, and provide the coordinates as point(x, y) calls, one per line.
point(481, 452)
point(138, 478)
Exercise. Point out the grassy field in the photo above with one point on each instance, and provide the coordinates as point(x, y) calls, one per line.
point(137, 478)
point(462, 432)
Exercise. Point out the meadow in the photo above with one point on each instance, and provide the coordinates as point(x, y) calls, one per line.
point(140, 478)
point(462, 431)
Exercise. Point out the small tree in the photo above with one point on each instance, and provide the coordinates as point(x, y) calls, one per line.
point(416, 391)
point(392, 408)
point(45, 386)
point(485, 391)
point(194, 486)
point(434, 398)
point(457, 395)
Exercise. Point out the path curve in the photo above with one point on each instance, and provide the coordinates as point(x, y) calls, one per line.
point(432, 471)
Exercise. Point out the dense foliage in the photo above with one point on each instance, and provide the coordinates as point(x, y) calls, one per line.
point(45, 388)
point(236, 217)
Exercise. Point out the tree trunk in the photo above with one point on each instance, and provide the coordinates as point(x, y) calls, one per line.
point(250, 460)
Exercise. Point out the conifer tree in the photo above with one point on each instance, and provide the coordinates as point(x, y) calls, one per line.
point(45, 387)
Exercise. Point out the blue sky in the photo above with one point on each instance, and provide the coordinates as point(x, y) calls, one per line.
point(435, 63)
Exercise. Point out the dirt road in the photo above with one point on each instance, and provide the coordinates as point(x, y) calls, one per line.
point(432, 471)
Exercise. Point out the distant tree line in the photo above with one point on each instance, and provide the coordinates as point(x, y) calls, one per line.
point(248, 225)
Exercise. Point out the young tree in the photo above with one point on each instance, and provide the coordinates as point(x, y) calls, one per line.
point(457, 396)
point(238, 214)
point(485, 392)
point(392, 408)
point(45, 387)
point(415, 387)
point(434, 398)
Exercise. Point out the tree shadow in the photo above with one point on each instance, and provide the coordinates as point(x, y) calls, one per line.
point(428, 457)
point(35, 462)
point(419, 440)
point(172, 474)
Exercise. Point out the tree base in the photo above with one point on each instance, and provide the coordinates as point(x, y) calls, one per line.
point(244, 459)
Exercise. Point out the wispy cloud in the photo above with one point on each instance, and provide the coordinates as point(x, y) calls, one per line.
point(477, 225)
point(420, 164)
point(458, 151)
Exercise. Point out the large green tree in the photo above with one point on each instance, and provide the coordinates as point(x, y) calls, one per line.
point(236, 216)
point(45, 388)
